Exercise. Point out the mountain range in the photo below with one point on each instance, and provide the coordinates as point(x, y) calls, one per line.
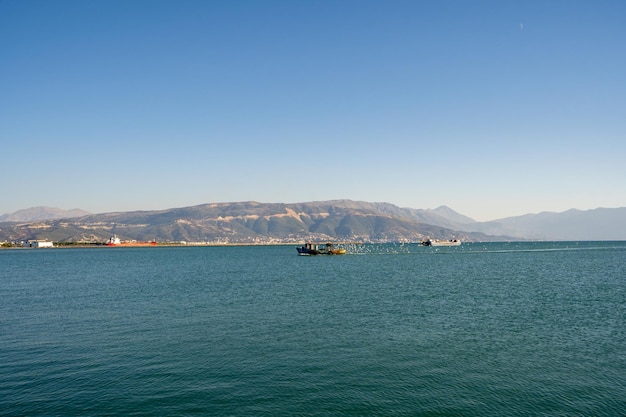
point(345, 220)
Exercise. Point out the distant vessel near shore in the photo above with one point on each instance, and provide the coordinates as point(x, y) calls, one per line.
point(441, 242)
point(315, 249)
point(116, 241)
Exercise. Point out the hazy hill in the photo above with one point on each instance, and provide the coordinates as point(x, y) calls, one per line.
point(41, 213)
point(596, 224)
point(245, 222)
point(253, 222)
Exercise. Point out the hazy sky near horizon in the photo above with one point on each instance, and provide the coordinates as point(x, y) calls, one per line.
point(493, 108)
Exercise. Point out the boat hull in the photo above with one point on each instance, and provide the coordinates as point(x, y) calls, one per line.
point(116, 241)
point(131, 244)
point(314, 249)
point(439, 242)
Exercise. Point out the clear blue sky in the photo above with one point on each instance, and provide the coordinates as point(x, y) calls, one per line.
point(493, 108)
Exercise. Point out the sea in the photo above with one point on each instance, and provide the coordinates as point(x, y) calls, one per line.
point(483, 329)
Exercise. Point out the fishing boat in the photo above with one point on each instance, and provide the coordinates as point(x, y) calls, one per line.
point(316, 249)
point(441, 242)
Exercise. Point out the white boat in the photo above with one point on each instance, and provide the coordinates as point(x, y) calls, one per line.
point(116, 241)
point(113, 241)
point(441, 242)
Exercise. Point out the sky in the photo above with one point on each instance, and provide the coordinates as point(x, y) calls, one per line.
point(492, 108)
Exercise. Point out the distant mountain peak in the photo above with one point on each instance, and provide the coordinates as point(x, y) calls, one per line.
point(42, 213)
point(448, 213)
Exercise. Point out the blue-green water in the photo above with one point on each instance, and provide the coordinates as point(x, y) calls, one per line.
point(524, 329)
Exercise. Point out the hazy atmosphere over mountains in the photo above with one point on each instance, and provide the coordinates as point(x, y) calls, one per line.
point(253, 222)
